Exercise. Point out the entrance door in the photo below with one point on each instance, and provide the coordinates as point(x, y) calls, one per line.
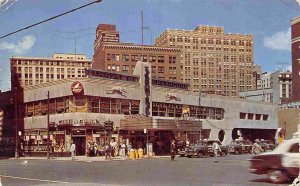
point(80, 145)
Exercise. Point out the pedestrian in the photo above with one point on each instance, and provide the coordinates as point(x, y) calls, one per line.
point(52, 150)
point(123, 147)
point(172, 150)
point(72, 150)
point(256, 148)
point(217, 150)
point(107, 151)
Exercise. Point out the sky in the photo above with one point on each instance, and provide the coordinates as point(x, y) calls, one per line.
point(268, 20)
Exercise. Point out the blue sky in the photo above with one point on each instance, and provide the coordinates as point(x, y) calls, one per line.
point(267, 20)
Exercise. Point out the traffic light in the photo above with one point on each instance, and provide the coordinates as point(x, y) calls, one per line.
point(108, 126)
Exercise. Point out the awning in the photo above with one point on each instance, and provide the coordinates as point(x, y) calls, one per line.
point(160, 124)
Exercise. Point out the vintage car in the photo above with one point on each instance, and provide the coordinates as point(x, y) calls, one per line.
point(266, 145)
point(181, 148)
point(240, 146)
point(204, 148)
point(281, 164)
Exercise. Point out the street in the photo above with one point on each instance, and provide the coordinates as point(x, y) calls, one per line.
point(230, 170)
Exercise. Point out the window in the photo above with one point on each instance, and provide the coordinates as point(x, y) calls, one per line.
point(250, 116)
point(265, 117)
point(125, 68)
point(257, 116)
point(160, 59)
point(152, 58)
point(172, 59)
point(161, 69)
point(125, 57)
point(134, 57)
point(242, 115)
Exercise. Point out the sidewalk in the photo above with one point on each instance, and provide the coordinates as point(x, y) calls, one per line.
point(90, 159)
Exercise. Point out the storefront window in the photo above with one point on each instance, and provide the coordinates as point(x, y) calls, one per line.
point(104, 105)
point(135, 107)
point(115, 106)
point(154, 109)
point(178, 111)
point(162, 109)
point(125, 107)
point(60, 105)
point(94, 105)
point(171, 110)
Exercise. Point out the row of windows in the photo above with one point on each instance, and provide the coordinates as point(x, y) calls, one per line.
point(58, 70)
point(82, 104)
point(135, 58)
point(211, 41)
point(176, 110)
point(53, 63)
point(252, 116)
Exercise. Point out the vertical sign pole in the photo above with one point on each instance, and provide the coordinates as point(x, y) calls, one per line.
point(48, 136)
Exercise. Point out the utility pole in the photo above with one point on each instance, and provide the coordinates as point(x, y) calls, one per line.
point(48, 136)
point(16, 123)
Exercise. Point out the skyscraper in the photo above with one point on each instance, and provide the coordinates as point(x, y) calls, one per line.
point(212, 61)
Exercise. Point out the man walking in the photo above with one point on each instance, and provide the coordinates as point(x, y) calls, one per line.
point(72, 150)
point(256, 148)
point(172, 150)
point(216, 149)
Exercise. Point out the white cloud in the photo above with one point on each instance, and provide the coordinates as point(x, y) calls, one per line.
point(279, 41)
point(21, 47)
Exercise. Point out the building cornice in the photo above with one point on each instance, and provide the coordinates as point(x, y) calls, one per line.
point(140, 47)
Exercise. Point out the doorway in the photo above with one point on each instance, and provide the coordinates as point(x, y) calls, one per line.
point(80, 145)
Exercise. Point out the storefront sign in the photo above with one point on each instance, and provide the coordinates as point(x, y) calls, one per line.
point(77, 88)
point(79, 122)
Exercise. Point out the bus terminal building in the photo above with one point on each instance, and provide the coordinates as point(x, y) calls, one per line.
point(143, 109)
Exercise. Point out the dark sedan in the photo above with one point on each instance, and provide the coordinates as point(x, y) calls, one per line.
point(281, 164)
point(240, 146)
point(204, 148)
point(266, 145)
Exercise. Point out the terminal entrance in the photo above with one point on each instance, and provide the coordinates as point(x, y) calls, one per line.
point(80, 145)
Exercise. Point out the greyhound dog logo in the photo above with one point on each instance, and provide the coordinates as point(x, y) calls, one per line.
point(117, 90)
point(170, 97)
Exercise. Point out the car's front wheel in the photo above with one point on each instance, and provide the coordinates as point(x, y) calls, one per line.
point(277, 176)
point(236, 152)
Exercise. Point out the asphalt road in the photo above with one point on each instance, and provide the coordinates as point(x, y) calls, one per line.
point(230, 171)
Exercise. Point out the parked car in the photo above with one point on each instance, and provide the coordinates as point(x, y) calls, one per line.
point(240, 146)
point(281, 164)
point(181, 148)
point(204, 148)
point(266, 145)
point(209, 144)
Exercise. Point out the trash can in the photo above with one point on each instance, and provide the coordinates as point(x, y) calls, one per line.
point(132, 154)
point(140, 153)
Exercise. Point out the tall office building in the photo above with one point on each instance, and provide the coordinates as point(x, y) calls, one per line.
point(112, 55)
point(295, 28)
point(212, 61)
point(26, 71)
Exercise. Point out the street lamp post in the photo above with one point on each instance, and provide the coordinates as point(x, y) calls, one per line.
point(16, 123)
point(48, 136)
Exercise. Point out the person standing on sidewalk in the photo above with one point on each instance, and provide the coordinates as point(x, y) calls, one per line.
point(72, 150)
point(172, 150)
point(216, 149)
